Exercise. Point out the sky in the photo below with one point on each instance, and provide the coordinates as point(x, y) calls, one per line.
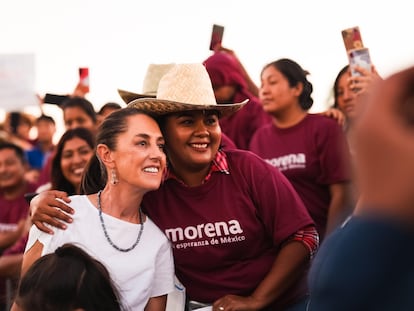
point(118, 39)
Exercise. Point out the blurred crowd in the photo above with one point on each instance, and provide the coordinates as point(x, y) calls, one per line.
point(301, 186)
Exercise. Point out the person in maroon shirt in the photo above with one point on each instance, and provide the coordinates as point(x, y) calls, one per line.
point(347, 89)
point(310, 150)
point(232, 84)
point(13, 186)
point(77, 112)
point(14, 212)
point(150, 86)
point(241, 236)
point(367, 263)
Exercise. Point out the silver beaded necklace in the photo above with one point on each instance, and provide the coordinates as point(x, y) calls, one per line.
point(106, 232)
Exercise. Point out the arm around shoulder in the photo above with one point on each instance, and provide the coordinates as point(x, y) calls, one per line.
point(44, 208)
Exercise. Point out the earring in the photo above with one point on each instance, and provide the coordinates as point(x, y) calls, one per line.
point(114, 178)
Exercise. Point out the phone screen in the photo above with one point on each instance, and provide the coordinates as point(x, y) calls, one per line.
point(216, 36)
point(84, 79)
point(84, 76)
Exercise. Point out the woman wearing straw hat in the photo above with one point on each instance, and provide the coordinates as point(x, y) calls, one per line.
point(242, 239)
point(149, 89)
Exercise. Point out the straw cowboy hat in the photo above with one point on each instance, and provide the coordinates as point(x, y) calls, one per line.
point(185, 87)
point(150, 85)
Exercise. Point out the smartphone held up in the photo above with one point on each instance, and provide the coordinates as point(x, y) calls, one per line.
point(216, 36)
point(359, 58)
point(358, 55)
point(84, 79)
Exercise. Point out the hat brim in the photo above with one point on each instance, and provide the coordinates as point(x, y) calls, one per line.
point(161, 107)
point(128, 96)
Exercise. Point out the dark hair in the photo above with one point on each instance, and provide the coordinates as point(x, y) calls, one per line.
point(116, 123)
point(65, 280)
point(295, 74)
point(110, 105)
point(343, 71)
point(46, 118)
point(16, 118)
point(81, 103)
point(59, 181)
point(17, 150)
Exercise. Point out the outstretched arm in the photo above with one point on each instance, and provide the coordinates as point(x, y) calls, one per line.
point(250, 83)
point(362, 83)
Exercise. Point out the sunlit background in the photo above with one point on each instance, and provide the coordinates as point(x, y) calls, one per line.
point(118, 39)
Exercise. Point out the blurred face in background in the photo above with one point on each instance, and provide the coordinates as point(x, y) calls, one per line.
point(75, 155)
point(76, 117)
point(12, 169)
point(224, 94)
point(23, 130)
point(45, 131)
point(346, 97)
point(19, 124)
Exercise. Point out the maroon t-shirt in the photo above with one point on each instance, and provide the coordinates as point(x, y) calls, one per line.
point(312, 155)
point(12, 211)
point(241, 126)
point(227, 232)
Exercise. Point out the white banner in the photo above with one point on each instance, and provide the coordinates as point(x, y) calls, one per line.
point(17, 80)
